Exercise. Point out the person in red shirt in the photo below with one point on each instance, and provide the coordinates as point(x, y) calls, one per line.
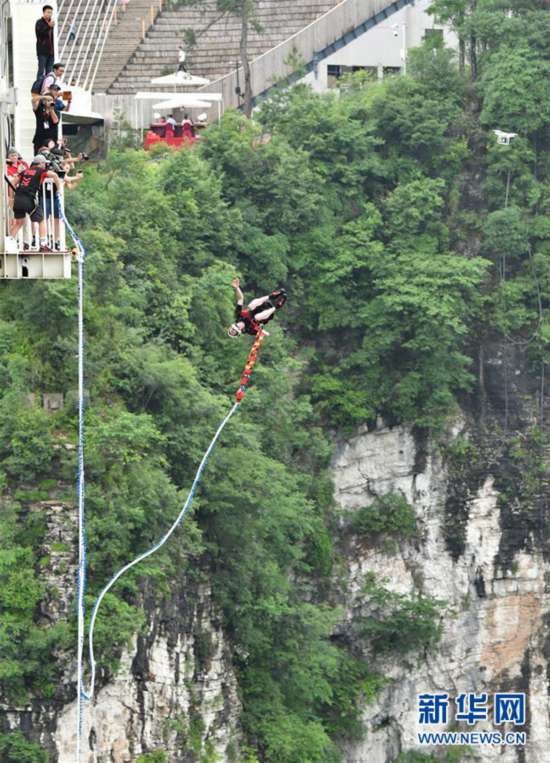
point(26, 201)
point(14, 166)
point(252, 319)
point(12, 173)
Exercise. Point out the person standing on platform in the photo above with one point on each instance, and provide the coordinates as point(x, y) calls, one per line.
point(47, 120)
point(44, 41)
point(52, 78)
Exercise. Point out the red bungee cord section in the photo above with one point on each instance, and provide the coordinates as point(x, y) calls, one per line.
point(250, 361)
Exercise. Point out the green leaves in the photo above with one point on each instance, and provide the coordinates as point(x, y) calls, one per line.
point(398, 623)
point(14, 748)
point(390, 514)
point(515, 89)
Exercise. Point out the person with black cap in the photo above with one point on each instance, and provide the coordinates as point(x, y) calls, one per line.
point(26, 202)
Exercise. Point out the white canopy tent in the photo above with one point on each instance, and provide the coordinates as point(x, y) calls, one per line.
point(180, 79)
point(198, 100)
point(150, 95)
point(182, 103)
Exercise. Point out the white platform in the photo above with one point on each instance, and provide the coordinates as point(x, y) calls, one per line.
point(35, 265)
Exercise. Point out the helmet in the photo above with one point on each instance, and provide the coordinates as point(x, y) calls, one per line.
point(234, 330)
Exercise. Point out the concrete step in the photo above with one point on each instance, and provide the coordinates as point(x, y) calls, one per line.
point(217, 49)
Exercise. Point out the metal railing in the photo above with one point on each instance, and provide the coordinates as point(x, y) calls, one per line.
point(84, 33)
point(28, 237)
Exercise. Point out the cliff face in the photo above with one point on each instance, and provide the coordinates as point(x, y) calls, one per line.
point(491, 572)
point(175, 690)
point(480, 498)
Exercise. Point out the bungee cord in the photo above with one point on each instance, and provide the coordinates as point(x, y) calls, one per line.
point(186, 506)
point(239, 395)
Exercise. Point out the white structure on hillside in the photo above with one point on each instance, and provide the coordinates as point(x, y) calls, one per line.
point(382, 50)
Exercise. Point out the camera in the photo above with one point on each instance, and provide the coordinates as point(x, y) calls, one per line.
point(85, 157)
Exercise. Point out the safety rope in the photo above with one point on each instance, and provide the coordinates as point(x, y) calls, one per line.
point(81, 573)
point(162, 541)
point(82, 549)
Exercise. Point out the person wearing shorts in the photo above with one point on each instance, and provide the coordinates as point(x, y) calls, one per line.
point(25, 201)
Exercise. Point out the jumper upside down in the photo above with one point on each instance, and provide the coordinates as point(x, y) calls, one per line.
point(251, 320)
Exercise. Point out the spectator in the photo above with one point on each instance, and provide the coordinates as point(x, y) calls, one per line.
point(47, 120)
point(55, 94)
point(52, 78)
point(15, 166)
point(188, 127)
point(124, 4)
point(72, 33)
point(52, 205)
point(12, 173)
point(182, 55)
point(22, 163)
point(60, 162)
point(44, 41)
point(171, 121)
point(26, 198)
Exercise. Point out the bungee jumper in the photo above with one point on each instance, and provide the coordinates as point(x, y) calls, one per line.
point(252, 319)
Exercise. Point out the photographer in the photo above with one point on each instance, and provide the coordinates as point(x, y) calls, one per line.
point(47, 121)
point(26, 200)
point(60, 163)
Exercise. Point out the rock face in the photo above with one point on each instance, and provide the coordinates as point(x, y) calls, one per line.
point(175, 692)
point(495, 629)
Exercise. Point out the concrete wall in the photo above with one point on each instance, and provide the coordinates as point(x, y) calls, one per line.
point(382, 46)
point(326, 30)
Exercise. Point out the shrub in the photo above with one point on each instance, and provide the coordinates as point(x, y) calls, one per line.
point(390, 513)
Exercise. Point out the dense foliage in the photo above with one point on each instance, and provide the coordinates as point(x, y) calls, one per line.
point(405, 236)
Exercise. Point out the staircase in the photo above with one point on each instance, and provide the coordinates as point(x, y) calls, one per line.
point(217, 48)
point(124, 38)
point(125, 34)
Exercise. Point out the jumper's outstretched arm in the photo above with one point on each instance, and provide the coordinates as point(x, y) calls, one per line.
point(236, 284)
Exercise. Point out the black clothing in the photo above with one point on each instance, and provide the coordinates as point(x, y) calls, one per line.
point(29, 182)
point(251, 326)
point(24, 204)
point(276, 299)
point(44, 38)
point(24, 200)
point(45, 128)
